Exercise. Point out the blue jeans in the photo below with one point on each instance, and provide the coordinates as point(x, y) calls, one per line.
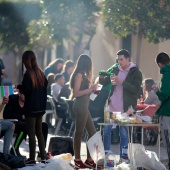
point(107, 137)
point(9, 131)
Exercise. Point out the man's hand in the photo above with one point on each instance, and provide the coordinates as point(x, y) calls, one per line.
point(116, 80)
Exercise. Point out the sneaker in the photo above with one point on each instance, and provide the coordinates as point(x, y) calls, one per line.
point(30, 162)
point(80, 164)
point(91, 164)
point(38, 157)
point(48, 156)
point(45, 162)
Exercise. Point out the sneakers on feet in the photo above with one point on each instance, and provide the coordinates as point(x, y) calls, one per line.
point(48, 156)
point(91, 164)
point(80, 164)
point(45, 161)
point(30, 162)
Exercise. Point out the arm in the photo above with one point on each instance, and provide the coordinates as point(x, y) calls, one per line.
point(149, 99)
point(26, 86)
point(134, 85)
point(55, 92)
point(76, 90)
point(4, 101)
point(2, 66)
point(164, 92)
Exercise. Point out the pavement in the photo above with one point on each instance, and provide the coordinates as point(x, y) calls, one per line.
point(24, 148)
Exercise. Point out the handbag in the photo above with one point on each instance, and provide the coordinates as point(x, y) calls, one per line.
point(12, 161)
point(60, 144)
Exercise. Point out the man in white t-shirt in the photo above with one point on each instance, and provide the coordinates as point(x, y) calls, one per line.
point(61, 106)
point(57, 86)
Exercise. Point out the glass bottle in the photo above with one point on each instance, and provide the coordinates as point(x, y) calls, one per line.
point(106, 113)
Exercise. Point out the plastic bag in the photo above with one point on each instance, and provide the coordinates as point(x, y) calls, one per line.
point(143, 158)
point(95, 146)
point(54, 164)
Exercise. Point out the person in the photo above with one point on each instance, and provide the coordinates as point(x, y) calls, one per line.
point(61, 106)
point(124, 93)
point(150, 96)
point(163, 62)
point(67, 70)
point(80, 84)
point(14, 110)
point(65, 91)
point(7, 129)
point(34, 88)
point(2, 69)
point(50, 79)
point(57, 86)
point(55, 67)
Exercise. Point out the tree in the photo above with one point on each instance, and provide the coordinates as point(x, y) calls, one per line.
point(14, 19)
point(71, 20)
point(149, 19)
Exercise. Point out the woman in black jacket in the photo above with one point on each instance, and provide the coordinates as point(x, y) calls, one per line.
point(34, 87)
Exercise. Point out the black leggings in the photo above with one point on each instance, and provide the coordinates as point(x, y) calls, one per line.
point(34, 127)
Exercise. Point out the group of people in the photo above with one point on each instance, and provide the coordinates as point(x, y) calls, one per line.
point(123, 89)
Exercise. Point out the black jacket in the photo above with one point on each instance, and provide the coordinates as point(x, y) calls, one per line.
point(35, 98)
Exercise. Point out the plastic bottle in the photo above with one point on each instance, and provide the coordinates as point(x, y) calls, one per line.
point(106, 113)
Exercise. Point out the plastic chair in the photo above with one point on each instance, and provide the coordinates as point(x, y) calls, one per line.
point(149, 111)
point(51, 109)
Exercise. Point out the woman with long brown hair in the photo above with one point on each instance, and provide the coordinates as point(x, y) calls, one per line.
point(34, 88)
point(81, 86)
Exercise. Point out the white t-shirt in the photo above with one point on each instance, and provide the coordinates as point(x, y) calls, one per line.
point(55, 91)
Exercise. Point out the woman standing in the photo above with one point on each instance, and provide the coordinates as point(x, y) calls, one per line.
point(80, 84)
point(34, 87)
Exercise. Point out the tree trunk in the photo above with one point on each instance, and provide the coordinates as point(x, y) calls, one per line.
point(77, 48)
point(139, 45)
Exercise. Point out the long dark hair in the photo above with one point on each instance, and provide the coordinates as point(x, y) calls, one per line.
point(148, 83)
point(83, 65)
point(30, 62)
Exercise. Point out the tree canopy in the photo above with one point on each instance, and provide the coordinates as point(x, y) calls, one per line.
point(149, 19)
point(14, 19)
point(65, 19)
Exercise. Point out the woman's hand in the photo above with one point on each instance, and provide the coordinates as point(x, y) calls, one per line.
point(93, 87)
point(5, 100)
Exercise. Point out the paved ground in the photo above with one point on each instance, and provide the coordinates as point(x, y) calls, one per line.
point(24, 149)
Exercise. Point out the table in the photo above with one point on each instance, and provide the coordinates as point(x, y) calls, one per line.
point(130, 136)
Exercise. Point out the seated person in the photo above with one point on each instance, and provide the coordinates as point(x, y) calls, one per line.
point(7, 129)
point(65, 91)
point(150, 95)
point(14, 110)
point(61, 106)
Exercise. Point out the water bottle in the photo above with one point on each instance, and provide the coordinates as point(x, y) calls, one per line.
point(125, 152)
